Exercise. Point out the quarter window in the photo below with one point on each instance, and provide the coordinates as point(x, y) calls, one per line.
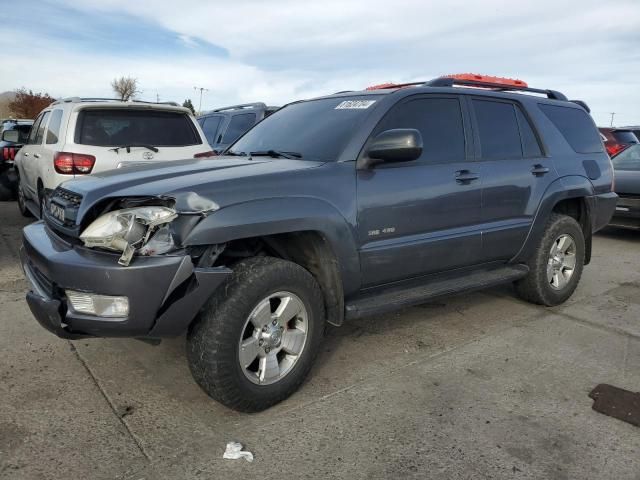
point(576, 127)
point(53, 130)
point(497, 129)
point(439, 121)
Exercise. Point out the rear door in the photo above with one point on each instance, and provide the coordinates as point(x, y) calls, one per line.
point(211, 126)
point(515, 174)
point(30, 157)
point(423, 216)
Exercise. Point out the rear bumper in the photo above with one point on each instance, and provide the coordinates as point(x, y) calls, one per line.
point(627, 213)
point(165, 292)
point(602, 208)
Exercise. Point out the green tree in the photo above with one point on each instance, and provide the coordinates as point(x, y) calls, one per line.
point(188, 104)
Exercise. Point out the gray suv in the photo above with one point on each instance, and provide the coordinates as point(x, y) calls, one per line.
point(223, 126)
point(333, 208)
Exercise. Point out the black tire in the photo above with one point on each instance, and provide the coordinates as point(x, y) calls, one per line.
point(7, 190)
point(41, 202)
point(213, 338)
point(22, 206)
point(535, 287)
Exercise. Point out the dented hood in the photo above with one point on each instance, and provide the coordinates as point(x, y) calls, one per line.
point(192, 183)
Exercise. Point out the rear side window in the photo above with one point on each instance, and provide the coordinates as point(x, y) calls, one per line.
point(119, 127)
point(238, 125)
point(53, 130)
point(497, 129)
point(34, 130)
point(210, 127)
point(439, 121)
point(576, 127)
point(40, 134)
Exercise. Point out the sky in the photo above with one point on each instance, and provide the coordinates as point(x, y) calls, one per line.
point(278, 51)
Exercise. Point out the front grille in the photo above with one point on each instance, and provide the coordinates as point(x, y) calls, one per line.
point(70, 198)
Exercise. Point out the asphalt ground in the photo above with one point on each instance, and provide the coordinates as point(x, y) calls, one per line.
point(480, 385)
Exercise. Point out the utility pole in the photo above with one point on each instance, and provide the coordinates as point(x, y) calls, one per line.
point(202, 89)
point(612, 115)
point(157, 97)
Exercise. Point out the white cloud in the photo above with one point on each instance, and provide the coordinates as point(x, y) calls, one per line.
point(282, 50)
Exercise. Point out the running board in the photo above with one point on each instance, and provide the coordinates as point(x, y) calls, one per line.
point(381, 302)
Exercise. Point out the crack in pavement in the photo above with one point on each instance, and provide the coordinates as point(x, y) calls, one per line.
point(112, 406)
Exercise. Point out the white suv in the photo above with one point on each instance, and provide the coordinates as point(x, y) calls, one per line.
point(79, 136)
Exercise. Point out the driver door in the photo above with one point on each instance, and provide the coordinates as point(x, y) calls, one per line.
point(422, 216)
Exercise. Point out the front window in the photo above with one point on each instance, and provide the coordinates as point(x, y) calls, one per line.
point(314, 130)
point(111, 127)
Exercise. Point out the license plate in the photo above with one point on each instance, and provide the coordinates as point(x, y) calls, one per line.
point(56, 211)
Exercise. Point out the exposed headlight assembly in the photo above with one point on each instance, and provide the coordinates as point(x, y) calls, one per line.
point(128, 230)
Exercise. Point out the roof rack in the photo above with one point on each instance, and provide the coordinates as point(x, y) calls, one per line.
point(100, 99)
point(242, 106)
point(478, 81)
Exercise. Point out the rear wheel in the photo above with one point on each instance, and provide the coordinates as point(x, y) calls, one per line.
point(557, 263)
point(256, 339)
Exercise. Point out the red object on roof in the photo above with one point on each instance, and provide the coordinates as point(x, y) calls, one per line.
point(488, 79)
point(389, 85)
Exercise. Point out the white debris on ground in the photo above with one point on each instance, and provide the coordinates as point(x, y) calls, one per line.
point(234, 451)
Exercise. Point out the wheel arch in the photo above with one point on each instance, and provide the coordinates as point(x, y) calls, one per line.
point(569, 196)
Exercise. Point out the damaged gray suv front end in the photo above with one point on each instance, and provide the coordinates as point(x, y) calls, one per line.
point(79, 285)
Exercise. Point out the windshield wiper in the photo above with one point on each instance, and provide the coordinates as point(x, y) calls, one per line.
point(129, 147)
point(235, 154)
point(276, 154)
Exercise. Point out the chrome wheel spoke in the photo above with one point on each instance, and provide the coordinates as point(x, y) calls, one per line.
point(269, 369)
point(289, 308)
point(249, 350)
point(273, 341)
point(563, 243)
point(570, 262)
point(261, 315)
point(293, 341)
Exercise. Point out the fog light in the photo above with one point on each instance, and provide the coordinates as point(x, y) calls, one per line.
point(99, 305)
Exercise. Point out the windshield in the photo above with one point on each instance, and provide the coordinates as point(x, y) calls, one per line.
point(314, 130)
point(628, 159)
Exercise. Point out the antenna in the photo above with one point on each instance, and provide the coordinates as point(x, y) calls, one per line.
point(612, 115)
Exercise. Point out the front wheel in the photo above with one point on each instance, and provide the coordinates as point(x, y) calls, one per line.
point(255, 340)
point(556, 265)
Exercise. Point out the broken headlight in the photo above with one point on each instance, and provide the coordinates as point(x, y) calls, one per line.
point(131, 229)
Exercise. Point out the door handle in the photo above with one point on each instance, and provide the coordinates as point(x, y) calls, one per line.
point(465, 176)
point(539, 170)
point(36, 155)
point(26, 154)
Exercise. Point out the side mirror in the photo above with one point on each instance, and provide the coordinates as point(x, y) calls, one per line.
point(12, 136)
point(397, 145)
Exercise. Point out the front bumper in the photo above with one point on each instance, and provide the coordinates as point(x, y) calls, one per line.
point(165, 292)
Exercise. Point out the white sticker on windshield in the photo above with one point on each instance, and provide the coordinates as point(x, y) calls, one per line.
point(357, 104)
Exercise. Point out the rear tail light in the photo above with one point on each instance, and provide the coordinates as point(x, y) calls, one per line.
point(615, 148)
point(208, 154)
point(8, 153)
point(73, 163)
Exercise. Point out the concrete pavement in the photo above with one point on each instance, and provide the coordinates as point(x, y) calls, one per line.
point(476, 386)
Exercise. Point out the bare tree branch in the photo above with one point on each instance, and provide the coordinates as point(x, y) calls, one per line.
point(125, 87)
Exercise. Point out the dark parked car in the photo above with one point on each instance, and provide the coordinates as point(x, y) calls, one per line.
point(627, 171)
point(338, 207)
point(617, 139)
point(13, 134)
point(223, 126)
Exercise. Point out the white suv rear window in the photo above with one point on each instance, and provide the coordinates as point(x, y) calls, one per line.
point(119, 127)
